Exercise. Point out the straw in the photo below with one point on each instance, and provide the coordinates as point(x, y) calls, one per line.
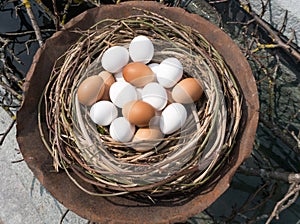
point(184, 160)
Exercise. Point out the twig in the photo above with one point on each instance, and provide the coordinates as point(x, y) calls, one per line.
point(264, 7)
point(278, 132)
point(94, 2)
point(17, 161)
point(45, 9)
point(63, 216)
point(275, 38)
point(283, 26)
point(11, 90)
point(297, 138)
point(33, 22)
point(289, 198)
point(23, 33)
point(278, 42)
point(292, 37)
point(6, 132)
point(66, 9)
point(57, 19)
point(280, 176)
point(245, 207)
point(218, 1)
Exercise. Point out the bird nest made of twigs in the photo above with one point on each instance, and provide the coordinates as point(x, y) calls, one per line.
point(183, 160)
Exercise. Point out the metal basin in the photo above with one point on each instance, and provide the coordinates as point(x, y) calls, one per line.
point(119, 209)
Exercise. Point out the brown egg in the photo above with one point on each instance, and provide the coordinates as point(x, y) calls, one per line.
point(146, 138)
point(138, 74)
point(90, 90)
point(138, 112)
point(108, 79)
point(187, 91)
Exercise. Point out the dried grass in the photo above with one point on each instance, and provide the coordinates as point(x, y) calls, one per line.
point(183, 160)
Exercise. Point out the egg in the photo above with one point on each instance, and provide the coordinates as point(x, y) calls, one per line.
point(103, 112)
point(138, 112)
point(169, 94)
point(139, 93)
point(121, 130)
point(121, 93)
point(119, 77)
point(169, 72)
point(90, 90)
point(187, 91)
point(154, 67)
point(141, 49)
point(108, 79)
point(115, 58)
point(146, 139)
point(172, 118)
point(154, 121)
point(155, 94)
point(138, 74)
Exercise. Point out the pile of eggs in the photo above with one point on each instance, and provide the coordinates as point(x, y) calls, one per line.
point(138, 100)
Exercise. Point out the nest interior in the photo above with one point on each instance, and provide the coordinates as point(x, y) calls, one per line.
point(40, 161)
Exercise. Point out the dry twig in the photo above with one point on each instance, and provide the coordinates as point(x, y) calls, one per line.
point(33, 22)
point(274, 35)
point(56, 19)
point(286, 137)
point(289, 198)
point(3, 135)
point(288, 177)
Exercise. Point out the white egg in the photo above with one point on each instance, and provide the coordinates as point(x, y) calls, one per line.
point(103, 112)
point(154, 67)
point(139, 93)
point(121, 93)
point(115, 58)
point(172, 118)
point(141, 49)
point(155, 94)
point(121, 130)
point(119, 77)
point(169, 72)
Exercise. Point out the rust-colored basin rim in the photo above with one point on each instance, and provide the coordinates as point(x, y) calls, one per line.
point(118, 209)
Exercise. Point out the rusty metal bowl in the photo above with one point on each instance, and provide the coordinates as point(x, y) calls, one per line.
point(120, 209)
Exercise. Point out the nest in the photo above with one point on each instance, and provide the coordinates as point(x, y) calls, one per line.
point(184, 160)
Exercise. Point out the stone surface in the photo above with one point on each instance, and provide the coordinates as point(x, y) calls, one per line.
point(22, 198)
point(275, 13)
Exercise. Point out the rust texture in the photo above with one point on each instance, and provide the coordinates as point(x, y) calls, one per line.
point(117, 209)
